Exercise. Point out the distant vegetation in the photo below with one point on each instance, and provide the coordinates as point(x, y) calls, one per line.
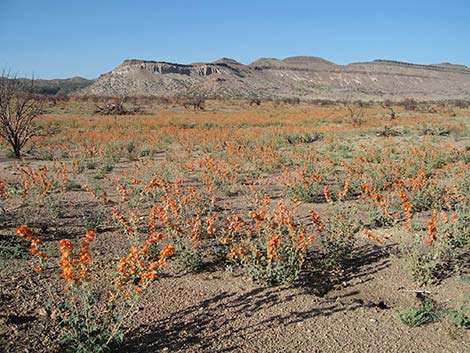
point(58, 86)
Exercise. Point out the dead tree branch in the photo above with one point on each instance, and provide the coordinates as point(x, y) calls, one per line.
point(19, 108)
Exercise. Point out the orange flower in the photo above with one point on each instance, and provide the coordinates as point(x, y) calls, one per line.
point(368, 233)
point(123, 221)
point(23, 230)
point(226, 240)
point(342, 193)
point(156, 236)
point(273, 244)
point(211, 228)
point(326, 193)
point(90, 235)
point(407, 207)
point(317, 221)
point(153, 266)
point(167, 251)
point(76, 269)
point(241, 251)
point(432, 228)
point(152, 217)
point(28, 234)
point(66, 260)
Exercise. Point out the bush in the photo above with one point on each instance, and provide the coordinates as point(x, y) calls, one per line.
point(409, 104)
point(461, 317)
point(272, 248)
point(424, 314)
point(426, 260)
point(91, 324)
point(187, 220)
point(462, 104)
point(338, 237)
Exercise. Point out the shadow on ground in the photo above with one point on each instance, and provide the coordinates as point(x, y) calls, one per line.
point(204, 326)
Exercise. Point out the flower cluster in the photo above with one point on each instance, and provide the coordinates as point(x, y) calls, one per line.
point(136, 271)
point(75, 270)
point(28, 234)
point(272, 246)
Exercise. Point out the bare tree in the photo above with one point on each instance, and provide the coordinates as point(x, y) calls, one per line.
point(355, 116)
point(196, 102)
point(19, 107)
point(116, 108)
point(255, 101)
point(392, 113)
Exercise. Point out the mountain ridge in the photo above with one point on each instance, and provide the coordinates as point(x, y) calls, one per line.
point(305, 77)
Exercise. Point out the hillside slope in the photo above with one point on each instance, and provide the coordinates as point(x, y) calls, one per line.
point(304, 77)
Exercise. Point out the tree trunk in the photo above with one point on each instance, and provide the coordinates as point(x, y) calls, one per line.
point(17, 152)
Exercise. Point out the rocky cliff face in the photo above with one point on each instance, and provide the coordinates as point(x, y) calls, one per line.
point(302, 76)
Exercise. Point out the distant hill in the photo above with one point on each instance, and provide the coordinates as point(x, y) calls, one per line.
point(59, 86)
point(302, 76)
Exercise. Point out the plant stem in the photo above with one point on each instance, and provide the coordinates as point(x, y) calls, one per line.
point(119, 324)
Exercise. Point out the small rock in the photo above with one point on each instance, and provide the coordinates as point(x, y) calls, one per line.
point(54, 315)
point(42, 312)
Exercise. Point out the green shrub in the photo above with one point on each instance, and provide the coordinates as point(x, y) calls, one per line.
point(426, 313)
point(461, 317)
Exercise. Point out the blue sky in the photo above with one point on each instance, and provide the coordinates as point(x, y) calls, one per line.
point(58, 39)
